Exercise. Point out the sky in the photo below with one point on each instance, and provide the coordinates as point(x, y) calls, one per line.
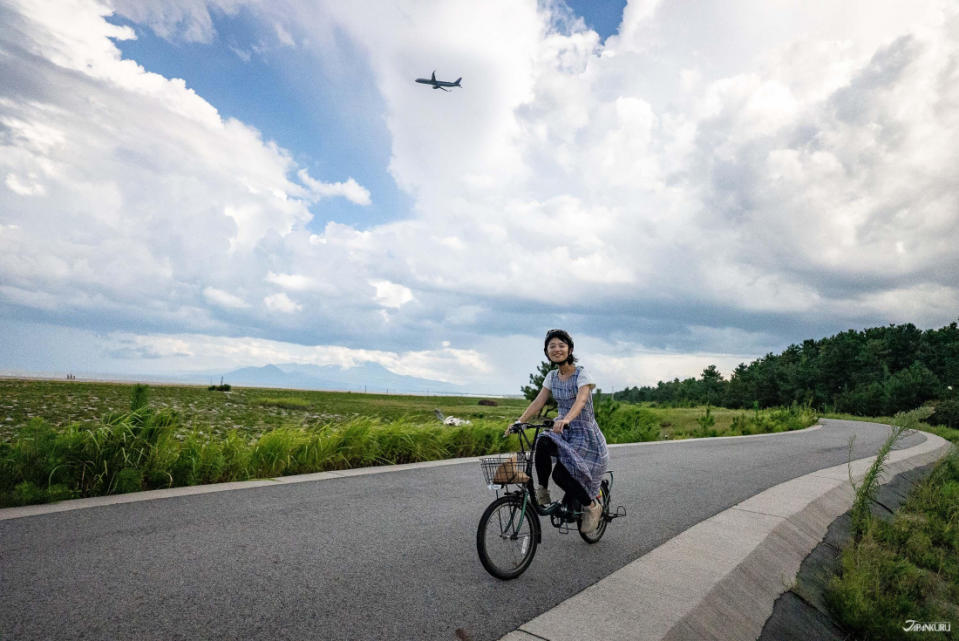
point(201, 185)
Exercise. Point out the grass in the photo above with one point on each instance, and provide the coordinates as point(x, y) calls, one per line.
point(627, 423)
point(906, 568)
point(67, 439)
point(144, 449)
point(249, 410)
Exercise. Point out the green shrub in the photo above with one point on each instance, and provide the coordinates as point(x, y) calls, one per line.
point(741, 425)
point(129, 479)
point(139, 398)
point(625, 423)
point(283, 402)
point(907, 568)
point(25, 493)
point(946, 413)
point(706, 423)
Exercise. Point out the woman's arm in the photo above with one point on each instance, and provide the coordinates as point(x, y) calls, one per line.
point(534, 407)
point(582, 395)
point(538, 403)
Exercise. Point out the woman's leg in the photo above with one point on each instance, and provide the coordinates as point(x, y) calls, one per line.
point(545, 449)
point(571, 486)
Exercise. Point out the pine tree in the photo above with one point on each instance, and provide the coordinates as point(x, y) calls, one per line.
point(536, 383)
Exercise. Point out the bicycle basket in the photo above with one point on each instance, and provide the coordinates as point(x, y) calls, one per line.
point(504, 469)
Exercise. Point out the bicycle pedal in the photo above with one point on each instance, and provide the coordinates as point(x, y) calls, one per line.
point(620, 511)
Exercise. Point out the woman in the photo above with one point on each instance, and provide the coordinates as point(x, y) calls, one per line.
point(580, 451)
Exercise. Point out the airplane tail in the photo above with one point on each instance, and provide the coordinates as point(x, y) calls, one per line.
point(457, 83)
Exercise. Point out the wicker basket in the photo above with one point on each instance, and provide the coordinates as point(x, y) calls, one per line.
point(505, 469)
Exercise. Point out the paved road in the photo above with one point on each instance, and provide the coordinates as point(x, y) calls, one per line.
point(383, 556)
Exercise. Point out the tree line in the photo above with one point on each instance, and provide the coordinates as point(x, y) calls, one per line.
point(872, 372)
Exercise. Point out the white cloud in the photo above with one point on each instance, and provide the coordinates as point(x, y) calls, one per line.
point(282, 303)
point(128, 190)
point(224, 299)
point(390, 294)
point(294, 282)
point(24, 188)
point(283, 35)
point(189, 20)
point(350, 189)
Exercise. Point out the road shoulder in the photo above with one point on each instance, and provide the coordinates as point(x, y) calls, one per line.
point(801, 612)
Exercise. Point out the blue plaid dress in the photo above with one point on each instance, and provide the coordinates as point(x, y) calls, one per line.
point(581, 447)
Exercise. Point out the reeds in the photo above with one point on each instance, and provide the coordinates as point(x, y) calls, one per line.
point(147, 450)
point(904, 568)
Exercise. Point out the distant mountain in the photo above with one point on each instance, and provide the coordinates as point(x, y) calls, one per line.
point(368, 377)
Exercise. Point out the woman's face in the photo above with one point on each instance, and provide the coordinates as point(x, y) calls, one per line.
point(558, 350)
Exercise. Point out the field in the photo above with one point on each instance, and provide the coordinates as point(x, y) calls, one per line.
point(249, 410)
point(253, 411)
point(69, 439)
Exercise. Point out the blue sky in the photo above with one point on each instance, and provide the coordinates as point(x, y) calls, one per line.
point(200, 185)
point(322, 118)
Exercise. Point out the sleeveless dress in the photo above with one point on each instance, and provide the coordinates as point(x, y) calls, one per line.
point(581, 447)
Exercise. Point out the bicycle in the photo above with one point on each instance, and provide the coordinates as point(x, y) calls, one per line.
point(509, 530)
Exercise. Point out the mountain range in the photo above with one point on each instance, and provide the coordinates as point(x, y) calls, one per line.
point(368, 377)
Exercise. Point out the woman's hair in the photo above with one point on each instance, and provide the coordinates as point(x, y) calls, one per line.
point(563, 336)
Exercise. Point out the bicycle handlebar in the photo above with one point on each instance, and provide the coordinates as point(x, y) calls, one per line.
point(516, 428)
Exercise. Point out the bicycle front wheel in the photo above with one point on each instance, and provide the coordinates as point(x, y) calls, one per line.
point(507, 536)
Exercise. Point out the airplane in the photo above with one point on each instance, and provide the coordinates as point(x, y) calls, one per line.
point(439, 84)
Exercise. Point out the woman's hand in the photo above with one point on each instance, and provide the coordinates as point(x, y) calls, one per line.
point(559, 424)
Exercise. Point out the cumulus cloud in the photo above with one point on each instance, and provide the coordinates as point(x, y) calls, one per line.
point(390, 294)
point(350, 189)
point(224, 299)
point(282, 303)
point(794, 169)
point(295, 282)
point(126, 189)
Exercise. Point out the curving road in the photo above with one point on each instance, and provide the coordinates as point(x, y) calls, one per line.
point(380, 556)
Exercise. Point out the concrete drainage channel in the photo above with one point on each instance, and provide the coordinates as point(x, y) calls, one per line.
point(801, 612)
point(721, 578)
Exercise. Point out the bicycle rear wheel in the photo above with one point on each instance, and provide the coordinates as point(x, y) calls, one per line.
point(507, 536)
point(597, 534)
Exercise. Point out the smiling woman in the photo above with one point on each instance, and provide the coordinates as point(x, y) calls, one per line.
point(575, 440)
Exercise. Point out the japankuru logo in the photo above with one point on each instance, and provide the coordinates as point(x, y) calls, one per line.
point(936, 626)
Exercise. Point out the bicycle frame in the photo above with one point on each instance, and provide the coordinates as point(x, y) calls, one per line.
point(528, 448)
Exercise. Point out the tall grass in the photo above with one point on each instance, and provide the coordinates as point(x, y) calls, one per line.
point(867, 490)
point(147, 450)
point(626, 423)
point(907, 568)
point(284, 402)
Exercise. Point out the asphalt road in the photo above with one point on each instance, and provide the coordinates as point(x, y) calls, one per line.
point(382, 556)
